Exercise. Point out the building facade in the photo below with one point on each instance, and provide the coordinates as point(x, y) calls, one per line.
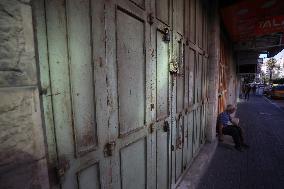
point(109, 94)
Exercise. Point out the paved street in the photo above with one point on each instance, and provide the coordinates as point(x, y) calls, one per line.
point(277, 102)
point(261, 166)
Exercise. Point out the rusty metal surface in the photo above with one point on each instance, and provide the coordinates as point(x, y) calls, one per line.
point(223, 77)
point(117, 112)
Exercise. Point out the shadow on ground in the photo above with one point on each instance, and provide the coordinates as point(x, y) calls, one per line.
point(261, 166)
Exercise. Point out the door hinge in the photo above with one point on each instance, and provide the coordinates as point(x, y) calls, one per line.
point(61, 168)
point(109, 148)
point(151, 19)
point(43, 91)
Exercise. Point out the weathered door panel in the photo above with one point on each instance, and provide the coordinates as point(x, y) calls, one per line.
point(131, 72)
point(163, 10)
point(203, 123)
point(163, 155)
point(192, 21)
point(191, 77)
point(127, 47)
point(74, 33)
point(162, 93)
point(199, 127)
point(178, 102)
point(186, 78)
point(59, 75)
point(189, 138)
point(164, 123)
point(79, 29)
point(185, 141)
point(39, 13)
point(133, 165)
point(180, 78)
point(199, 77)
point(196, 137)
point(162, 76)
point(199, 23)
point(178, 14)
point(179, 147)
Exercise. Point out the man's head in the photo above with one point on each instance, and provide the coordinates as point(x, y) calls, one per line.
point(230, 108)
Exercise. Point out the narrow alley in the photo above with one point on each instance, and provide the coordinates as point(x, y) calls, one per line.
point(261, 166)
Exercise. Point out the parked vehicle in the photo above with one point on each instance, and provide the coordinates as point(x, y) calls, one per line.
point(276, 92)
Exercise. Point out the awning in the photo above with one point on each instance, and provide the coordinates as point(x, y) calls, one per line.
point(254, 18)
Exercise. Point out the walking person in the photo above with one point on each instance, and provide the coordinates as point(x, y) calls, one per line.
point(254, 90)
point(247, 91)
point(243, 91)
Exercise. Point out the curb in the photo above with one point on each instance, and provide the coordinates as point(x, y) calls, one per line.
point(274, 104)
point(198, 166)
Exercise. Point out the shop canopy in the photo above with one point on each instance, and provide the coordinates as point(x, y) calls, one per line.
point(255, 26)
point(254, 18)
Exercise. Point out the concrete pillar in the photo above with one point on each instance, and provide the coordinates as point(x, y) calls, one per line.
point(22, 149)
point(213, 71)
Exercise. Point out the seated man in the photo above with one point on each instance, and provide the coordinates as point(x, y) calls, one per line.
point(229, 126)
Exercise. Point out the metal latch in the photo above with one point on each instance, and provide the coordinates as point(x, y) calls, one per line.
point(151, 128)
point(179, 143)
point(167, 35)
point(174, 69)
point(166, 127)
point(152, 107)
point(109, 148)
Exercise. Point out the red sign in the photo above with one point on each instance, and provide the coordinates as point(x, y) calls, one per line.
point(254, 18)
point(270, 25)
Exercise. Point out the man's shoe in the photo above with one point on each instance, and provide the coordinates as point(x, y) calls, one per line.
point(244, 145)
point(239, 149)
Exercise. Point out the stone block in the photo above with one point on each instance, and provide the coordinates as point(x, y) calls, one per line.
point(21, 132)
point(17, 52)
point(26, 176)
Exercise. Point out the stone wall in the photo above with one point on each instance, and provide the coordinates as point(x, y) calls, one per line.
point(22, 149)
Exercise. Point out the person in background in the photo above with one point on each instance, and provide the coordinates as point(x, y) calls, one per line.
point(247, 91)
point(254, 89)
point(243, 90)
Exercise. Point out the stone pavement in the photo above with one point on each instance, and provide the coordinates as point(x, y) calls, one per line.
point(261, 166)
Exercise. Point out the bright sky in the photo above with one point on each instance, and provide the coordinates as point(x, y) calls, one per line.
point(277, 57)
